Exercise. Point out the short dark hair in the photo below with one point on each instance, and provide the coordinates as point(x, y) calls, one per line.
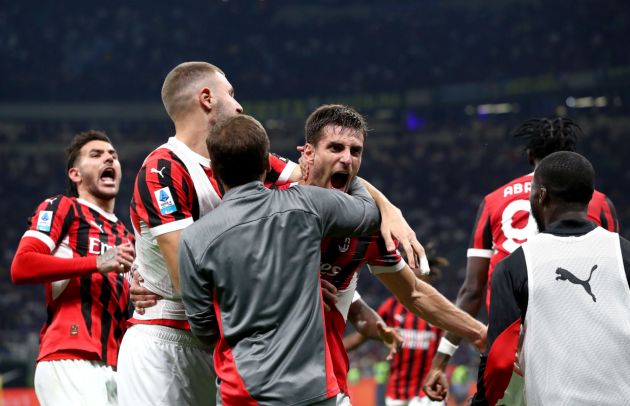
point(175, 88)
point(545, 136)
point(74, 149)
point(333, 114)
point(567, 176)
point(239, 150)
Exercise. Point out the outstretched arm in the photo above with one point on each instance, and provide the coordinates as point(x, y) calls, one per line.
point(426, 302)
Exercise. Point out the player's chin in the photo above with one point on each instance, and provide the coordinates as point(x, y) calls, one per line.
point(107, 192)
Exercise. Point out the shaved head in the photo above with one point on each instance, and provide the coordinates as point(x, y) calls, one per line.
point(182, 83)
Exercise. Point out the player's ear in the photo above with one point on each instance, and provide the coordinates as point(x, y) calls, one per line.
point(543, 196)
point(308, 151)
point(204, 97)
point(74, 174)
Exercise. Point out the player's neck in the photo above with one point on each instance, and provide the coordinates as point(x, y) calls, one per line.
point(105, 205)
point(194, 136)
point(559, 213)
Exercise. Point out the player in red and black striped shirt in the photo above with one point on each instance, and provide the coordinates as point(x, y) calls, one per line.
point(77, 247)
point(335, 136)
point(175, 187)
point(411, 363)
point(504, 222)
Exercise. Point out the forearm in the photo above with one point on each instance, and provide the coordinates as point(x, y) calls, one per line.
point(33, 264)
point(353, 341)
point(469, 301)
point(427, 303)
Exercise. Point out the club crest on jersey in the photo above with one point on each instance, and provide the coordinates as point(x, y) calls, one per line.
point(165, 201)
point(44, 221)
point(345, 246)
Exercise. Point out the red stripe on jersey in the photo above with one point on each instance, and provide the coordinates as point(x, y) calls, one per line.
point(482, 231)
point(89, 313)
point(335, 326)
point(500, 362)
point(232, 387)
point(602, 212)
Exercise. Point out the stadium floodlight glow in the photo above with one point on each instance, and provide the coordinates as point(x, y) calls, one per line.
point(498, 108)
point(586, 102)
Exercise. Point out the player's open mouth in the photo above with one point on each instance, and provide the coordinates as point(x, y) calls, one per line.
point(339, 180)
point(108, 176)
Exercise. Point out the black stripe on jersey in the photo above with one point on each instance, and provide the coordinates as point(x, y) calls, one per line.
point(602, 218)
point(147, 199)
point(83, 233)
point(86, 301)
point(119, 314)
point(613, 213)
point(106, 317)
point(487, 231)
point(195, 200)
point(67, 222)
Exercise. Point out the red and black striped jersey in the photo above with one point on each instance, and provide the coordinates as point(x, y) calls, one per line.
point(341, 260)
point(164, 196)
point(504, 222)
point(343, 257)
point(168, 197)
point(86, 315)
point(413, 361)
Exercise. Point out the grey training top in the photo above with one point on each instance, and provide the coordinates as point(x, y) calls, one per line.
point(255, 259)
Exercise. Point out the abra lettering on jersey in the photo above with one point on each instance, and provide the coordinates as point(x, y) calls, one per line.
point(564, 275)
point(517, 188)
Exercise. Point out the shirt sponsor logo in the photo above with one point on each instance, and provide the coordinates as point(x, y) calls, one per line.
point(44, 221)
point(345, 246)
point(165, 201)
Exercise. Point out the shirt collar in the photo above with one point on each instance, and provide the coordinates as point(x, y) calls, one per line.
point(109, 216)
point(244, 190)
point(193, 155)
point(568, 227)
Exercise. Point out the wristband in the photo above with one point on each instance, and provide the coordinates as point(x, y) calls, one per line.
point(424, 265)
point(447, 347)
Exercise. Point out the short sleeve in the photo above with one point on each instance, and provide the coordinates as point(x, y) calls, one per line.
point(164, 196)
point(280, 172)
point(481, 239)
point(51, 220)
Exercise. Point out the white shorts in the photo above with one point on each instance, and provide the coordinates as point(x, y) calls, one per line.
point(75, 382)
point(417, 401)
point(159, 365)
point(343, 399)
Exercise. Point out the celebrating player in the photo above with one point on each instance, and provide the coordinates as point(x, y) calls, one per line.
point(160, 361)
point(335, 138)
point(77, 247)
point(503, 223)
